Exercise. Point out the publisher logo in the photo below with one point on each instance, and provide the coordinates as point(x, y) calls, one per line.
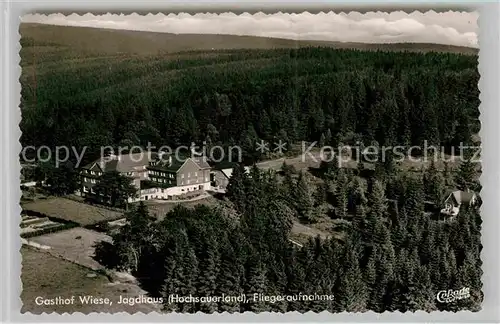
point(449, 296)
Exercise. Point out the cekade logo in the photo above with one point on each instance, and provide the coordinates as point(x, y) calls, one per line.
point(449, 296)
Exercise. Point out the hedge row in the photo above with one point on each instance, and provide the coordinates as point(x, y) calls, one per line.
point(49, 230)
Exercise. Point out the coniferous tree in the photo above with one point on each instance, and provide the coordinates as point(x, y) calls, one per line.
point(288, 184)
point(448, 178)
point(304, 199)
point(177, 264)
point(229, 279)
point(357, 192)
point(405, 282)
point(236, 188)
point(322, 140)
point(425, 293)
point(135, 238)
point(378, 201)
point(190, 275)
point(414, 198)
point(434, 184)
point(329, 165)
point(296, 282)
point(171, 286)
point(328, 137)
point(341, 195)
point(207, 280)
point(115, 189)
point(465, 177)
point(256, 286)
point(385, 270)
point(352, 288)
point(370, 272)
point(62, 180)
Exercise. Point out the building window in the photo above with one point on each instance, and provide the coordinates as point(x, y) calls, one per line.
point(188, 181)
point(189, 174)
point(196, 174)
point(182, 176)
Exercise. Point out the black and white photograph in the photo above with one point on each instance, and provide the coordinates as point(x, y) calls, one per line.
point(255, 162)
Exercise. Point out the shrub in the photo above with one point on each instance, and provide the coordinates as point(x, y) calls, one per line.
point(49, 230)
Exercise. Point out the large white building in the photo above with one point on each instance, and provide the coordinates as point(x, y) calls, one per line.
point(156, 176)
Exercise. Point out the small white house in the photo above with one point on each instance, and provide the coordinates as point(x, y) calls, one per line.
point(456, 199)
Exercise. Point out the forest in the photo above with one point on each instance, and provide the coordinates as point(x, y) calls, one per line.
point(385, 261)
point(230, 97)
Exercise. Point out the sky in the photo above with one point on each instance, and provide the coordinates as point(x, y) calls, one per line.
point(449, 28)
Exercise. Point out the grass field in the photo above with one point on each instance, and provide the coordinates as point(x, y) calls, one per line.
point(72, 211)
point(160, 209)
point(44, 275)
point(75, 245)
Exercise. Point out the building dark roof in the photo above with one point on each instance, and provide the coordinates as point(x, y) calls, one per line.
point(462, 197)
point(166, 165)
point(201, 161)
point(170, 163)
point(131, 162)
point(121, 163)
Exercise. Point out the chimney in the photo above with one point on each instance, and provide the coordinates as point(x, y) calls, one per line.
point(193, 151)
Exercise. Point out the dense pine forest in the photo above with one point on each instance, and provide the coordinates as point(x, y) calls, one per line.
point(390, 250)
point(384, 261)
point(241, 96)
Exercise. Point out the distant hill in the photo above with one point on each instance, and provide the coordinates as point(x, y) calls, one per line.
point(85, 41)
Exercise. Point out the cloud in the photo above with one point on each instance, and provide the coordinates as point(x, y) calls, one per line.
point(450, 28)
